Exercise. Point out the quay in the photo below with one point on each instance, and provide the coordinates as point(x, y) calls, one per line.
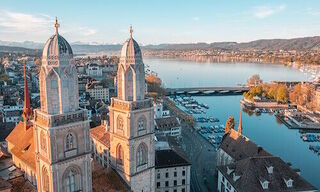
point(237, 90)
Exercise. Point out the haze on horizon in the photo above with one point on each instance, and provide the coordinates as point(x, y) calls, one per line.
point(107, 22)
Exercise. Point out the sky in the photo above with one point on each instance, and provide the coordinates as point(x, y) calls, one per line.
point(162, 21)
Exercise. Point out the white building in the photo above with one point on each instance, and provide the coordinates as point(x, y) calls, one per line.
point(94, 71)
point(168, 126)
point(172, 172)
point(159, 110)
point(97, 91)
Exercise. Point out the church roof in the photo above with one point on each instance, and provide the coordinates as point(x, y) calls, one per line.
point(130, 52)
point(239, 147)
point(166, 123)
point(107, 180)
point(23, 142)
point(56, 46)
point(246, 175)
point(99, 133)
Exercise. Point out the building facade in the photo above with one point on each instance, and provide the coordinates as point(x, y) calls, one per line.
point(55, 152)
point(132, 122)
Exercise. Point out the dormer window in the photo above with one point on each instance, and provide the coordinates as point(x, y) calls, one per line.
point(270, 169)
point(229, 170)
point(265, 184)
point(288, 182)
point(235, 177)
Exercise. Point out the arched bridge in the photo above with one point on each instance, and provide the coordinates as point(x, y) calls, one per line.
point(237, 90)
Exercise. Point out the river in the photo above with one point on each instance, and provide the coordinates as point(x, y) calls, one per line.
point(264, 129)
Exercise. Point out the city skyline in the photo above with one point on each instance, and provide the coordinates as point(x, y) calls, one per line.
point(160, 22)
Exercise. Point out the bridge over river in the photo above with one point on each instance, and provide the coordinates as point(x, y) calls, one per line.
point(237, 90)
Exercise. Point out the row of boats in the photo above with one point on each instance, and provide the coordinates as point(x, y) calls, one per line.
point(213, 134)
point(191, 105)
point(206, 120)
point(310, 137)
point(315, 148)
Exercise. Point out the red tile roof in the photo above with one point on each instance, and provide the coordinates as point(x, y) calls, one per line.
point(99, 133)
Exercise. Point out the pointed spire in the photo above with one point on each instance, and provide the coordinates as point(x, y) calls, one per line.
point(240, 125)
point(131, 31)
point(56, 25)
point(27, 111)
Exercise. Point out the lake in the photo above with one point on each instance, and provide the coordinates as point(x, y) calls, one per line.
point(264, 129)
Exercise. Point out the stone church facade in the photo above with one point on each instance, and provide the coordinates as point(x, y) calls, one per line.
point(132, 149)
point(57, 136)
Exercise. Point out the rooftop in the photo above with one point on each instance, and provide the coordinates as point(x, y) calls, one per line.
point(240, 147)
point(248, 174)
point(167, 122)
point(169, 158)
point(99, 133)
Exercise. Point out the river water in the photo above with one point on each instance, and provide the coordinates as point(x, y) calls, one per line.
point(264, 129)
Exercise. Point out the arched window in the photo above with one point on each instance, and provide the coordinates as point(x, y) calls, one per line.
point(141, 124)
point(119, 155)
point(142, 154)
point(70, 181)
point(120, 123)
point(45, 180)
point(43, 141)
point(70, 142)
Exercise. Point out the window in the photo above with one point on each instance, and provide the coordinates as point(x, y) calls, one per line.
point(141, 124)
point(70, 142)
point(45, 179)
point(142, 154)
point(183, 190)
point(158, 184)
point(120, 123)
point(158, 175)
point(223, 179)
point(174, 190)
point(175, 182)
point(183, 181)
point(167, 174)
point(175, 174)
point(71, 181)
point(183, 173)
point(167, 183)
point(119, 155)
point(43, 141)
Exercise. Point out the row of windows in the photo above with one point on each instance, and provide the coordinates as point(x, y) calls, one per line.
point(141, 156)
point(175, 183)
point(174, 174)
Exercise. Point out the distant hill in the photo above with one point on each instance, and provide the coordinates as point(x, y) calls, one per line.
point(19, 50)
point(304, 43)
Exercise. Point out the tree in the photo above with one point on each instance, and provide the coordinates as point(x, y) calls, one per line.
point(229, 124)
point(282, 94)
point(254, 80)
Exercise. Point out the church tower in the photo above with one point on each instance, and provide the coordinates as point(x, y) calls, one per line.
point(131, 122)
point(61, 128)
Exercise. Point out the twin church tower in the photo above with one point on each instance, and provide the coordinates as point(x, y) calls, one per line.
point(59, 130)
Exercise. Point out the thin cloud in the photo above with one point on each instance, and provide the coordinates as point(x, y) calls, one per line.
point(266, 11)
point(313, 12)
point(195, 18)
point(21, 22)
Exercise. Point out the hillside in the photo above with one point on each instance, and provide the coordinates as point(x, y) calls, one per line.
point(299, 44)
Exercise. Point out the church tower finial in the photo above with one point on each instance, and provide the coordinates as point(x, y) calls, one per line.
point(240, 126)
point(56, 25)
point(131, 31)
point(27, 111)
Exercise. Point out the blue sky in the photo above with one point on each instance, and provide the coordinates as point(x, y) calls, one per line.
point(162, 21)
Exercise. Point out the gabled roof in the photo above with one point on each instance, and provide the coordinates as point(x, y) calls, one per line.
point(100, 134)
point(250, 172)
point(169, 158)
point(167, 122)
point(240, 147)
point(23, 142)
